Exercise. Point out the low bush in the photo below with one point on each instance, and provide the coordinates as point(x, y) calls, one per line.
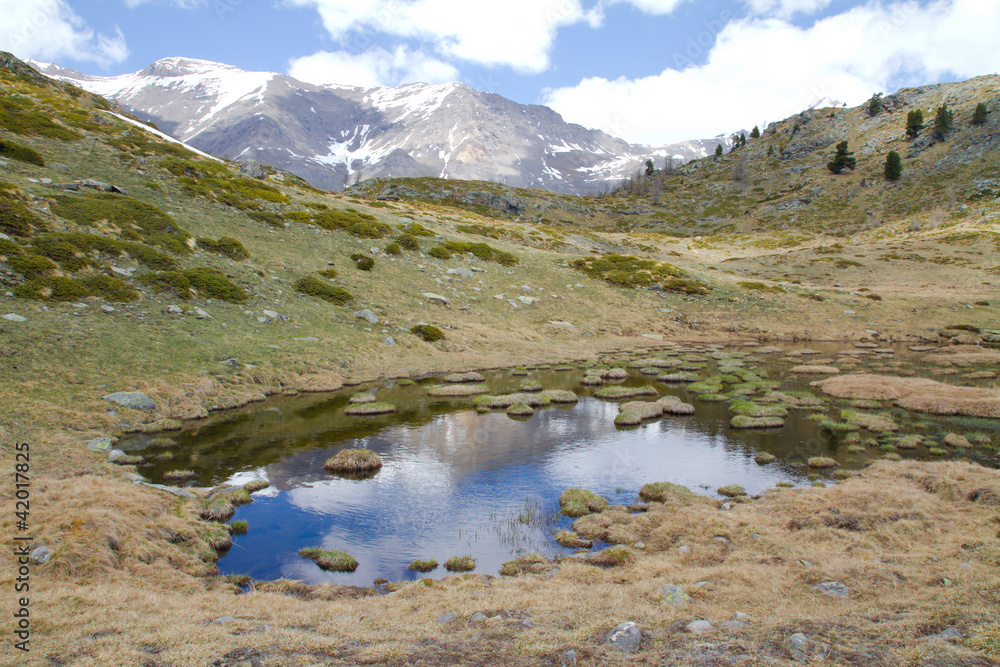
point(427, 333)
point(321, 290)
point(213, 284)
point(20, 153)
point(225, 245)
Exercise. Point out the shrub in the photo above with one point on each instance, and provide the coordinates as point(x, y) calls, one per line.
point(336, 561)
point(21, 153)
point(31, 266)
point(362, 225)
point(15, 218)
point(150, 223)
point(393, 249)
point(408, 242)
point(685, 286)
point(268, 218)
point(15, 117)
point(213, 284)
point(328, 273)
point(914, 123)
point(440, 252)
point(979, 115)
point(111, 288)
point(944, 119)
point(317, 288)
point(842, 160)
point(173, 282)
point(225, 245)
point(10, 249)
point(427, 333)
point(761, 287)
point(363, 262)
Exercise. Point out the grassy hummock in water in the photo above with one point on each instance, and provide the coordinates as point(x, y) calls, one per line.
point(580, 502)
point(376, 408)
point(460, 564)
point(745, 422)
point(822, 462)
point(458, 378)
point(731, 491)
point(660, 492)
point(423, 565)
point(176, 475)
point(363, 397)
point(570, 540)
point(520, 410)
point(504, 401)
point(457, 390)
point(334, 561)
point(617, 393)
point(353, 461)
point(560, 396)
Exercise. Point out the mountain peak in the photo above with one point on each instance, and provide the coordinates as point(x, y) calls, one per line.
point(179, 66)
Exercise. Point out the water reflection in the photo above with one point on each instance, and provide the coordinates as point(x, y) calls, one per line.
point(455, 482)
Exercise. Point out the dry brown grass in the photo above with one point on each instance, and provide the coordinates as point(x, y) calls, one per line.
point(458, 390)
point(963, 355)
point(918, 394)
point(456, 378)
point(815, 369)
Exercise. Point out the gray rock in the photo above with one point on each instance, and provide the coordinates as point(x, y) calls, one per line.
point(175, 310)
point(626, 637)
point(698, 627)
point(833, 588)
point(740, 616)
point(251, 169)
point(436, 298)
point(447, 617)
point(172, 490)
point(201, 314)
point(40, 555)
point(567, 658)
point(131, 399)
point(108, 309)
point(224, 619)
point(263, 320)
point(478, 616)
point(389, 340)
point(950, 634)
point(849, 312)
point(116, 454)
point(100, 444)
point(230, 362)
point(467, 273)
point(804, 649)
point(59, 167)
point(270, 313)
point(14, 317)
point(527, 300)
point(674, 595)
point(804, 563)
point(684, 549)
point(733, 624)
point(556, 323)
point(367, 315)
point(125, 273)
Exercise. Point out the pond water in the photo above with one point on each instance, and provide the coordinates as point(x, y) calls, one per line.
point(455, 482)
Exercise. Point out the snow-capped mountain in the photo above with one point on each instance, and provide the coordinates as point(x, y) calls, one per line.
point(334, 136)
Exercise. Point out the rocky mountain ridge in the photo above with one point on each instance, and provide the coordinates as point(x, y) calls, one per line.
point(335, 136)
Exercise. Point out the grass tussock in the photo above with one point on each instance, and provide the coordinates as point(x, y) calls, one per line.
point(580, 502)
point(746, 422)
point(334, 294)
point(570, 540)
point(334, 561)
point(616, 556)
point(815, 369)
point(423, 565)
point(660, 492)
point(365, 409)
point(460, 564)
point(504, 401)
point(353, 461)
point(618, 393)
point(427, 333)
point(822, 462)
point(731, 491)
point(458, 390)
point(919, 394)
point(560, 396)
point(527, 564)
point(520, 410)
point(459, 378)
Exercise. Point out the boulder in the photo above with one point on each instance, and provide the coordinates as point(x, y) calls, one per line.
point(251, 169)
point(135, 400)
point(367, 315)
point(626, 637)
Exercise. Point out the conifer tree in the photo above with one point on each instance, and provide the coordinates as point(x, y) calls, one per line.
point(979, 115)
point(893, 166)
point(944, 119)
point(842, 160)
point(914, 123)
point(755, 133)
point(718, 151)
point(875, 104)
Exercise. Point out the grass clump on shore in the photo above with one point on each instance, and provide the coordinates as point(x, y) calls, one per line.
point(527, 564)
point(617, 393)
point(256, 485)
point(570, 540)
point(427, 333)
point(331, 293)
point(731, 491)
point(239, 527)
point(334, 561)
point(580, 502)
point(353, 461)
point(763, 458)
point(177, 475)
point(822, 462)
point(423, 565)
point(460, 564)
point(615, 556)
point(520, 410)
point(660, 492)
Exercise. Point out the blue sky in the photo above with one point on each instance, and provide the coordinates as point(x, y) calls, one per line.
point(646, 70)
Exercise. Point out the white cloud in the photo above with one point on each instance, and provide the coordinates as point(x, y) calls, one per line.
point(50, 30)
point(182, 4)
point(651, 6)
point(376, 67)
point(761, 70)
point(517, 33)
point(786, 8)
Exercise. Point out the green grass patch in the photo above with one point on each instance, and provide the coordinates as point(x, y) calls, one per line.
point(146, 222)
point(353, 461)
point(14, 151)
point(460, 564)
point(427, 333)
point(731, 491)
point(423, 565)
point(660, 492)
point(225, 245)
point(213, 284)
point(361, 225)
point(15, 117)
point(761, 287)
point(580, 502)
point(334, 561)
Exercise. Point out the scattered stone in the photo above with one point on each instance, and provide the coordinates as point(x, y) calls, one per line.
point(527, 300)
point(270, 313)
point(804, 649)
point(40, 555)
point(263, 320)
point(674, 595)
point(556, 323)
point(698, 627)
point(684, 549)
point(447, 617)
point(77, 305)
point(100, 444)
point(950, 634)
point(108, 309)
point(131, 399)
point(626, 637)
point(436, 298)
point(733, 624)
point(366, 315)
point(115, 455)
point(175, 310)
point(201, 314)
point(465, 273)
point(389, 340)
point(224, 619)
point(567, 658)
point(849, 312)
point(14, 317)
point(251, 169)
point(230, 362)
point(740, 616)
point(172, 490)
point(834, 588)
point(478, 616)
